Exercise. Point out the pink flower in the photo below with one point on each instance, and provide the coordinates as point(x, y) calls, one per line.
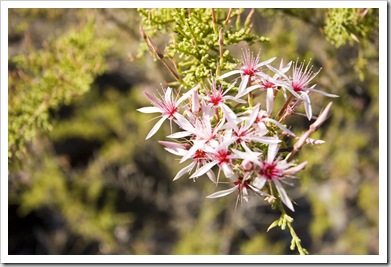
point(299, 85)
point(275, 171)
point(167, 106)
point(250, 69)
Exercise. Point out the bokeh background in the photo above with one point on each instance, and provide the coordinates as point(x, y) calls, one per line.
point(82, 179)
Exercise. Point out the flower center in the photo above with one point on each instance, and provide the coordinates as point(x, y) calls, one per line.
point(297, 87)
point(215, 99)
point(171, 109)
point(268, 84)
point(241, 183)
point(247, 70)
point(223, 156)
point(269, 171)
point(199, 155)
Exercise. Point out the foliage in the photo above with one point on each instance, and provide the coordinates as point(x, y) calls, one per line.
point(42, 80)
point(197, 45)
point(109, 195)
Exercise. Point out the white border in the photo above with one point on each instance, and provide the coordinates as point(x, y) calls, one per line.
point(381, 258)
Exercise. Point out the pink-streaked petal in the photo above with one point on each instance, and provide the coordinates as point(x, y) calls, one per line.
point(184, 123)
point(153, 99)
point(283, 195)
point(167, 95)
point(243, 84)
point(156, 127)
point(196, 146)
point(321, 92)
point(253, 117)
point(265, 62)
point(186, 169)
point(262, 129)
point(266, 140)
point(223, 193)
point(236, 99)
point(178, 152)
point(150, 110)
point(285, 68)
point(179, 135)
point(211, 176)
point(295, 169)
point(204, 169)
point(228, 172)
point(247, 90)
point(272, 152)
point(228, 113)
point(269, 100)
point(307, 105)
point(278, 72)
point(230, 73)
point(259, 182)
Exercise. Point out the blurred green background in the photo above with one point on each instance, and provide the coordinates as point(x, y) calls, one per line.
point(82, 179)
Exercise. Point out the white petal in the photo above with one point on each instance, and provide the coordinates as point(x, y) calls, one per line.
point(211, 176)
point(307, 105)
point(272, 152)
point(269, 100)
point(228, 172)
point(281, 74)
point(223, 193)
point(167, 96)
point(225, 75)
point(149, 110)
point(321, 92)
point(247, 90)
point(243, 84)
point(204, 169)
point(179, 135)
point(259, 182)
point(192, 150)
point(265, 62)
point(295, 169)
point(283, 195)
point(184, 123)
point(236, 99)
point(156, 127)
point(184, 170)
point(266, 140)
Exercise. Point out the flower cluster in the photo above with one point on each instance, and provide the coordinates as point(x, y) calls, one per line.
point(219, 130)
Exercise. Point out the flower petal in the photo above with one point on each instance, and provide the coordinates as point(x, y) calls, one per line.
point(321, 92)
point(243, 84)
point(156, 127)
point(265, 62)
point(307, 105)
point(204, 169)
point(150, 110)
point(223, 193)
point(269, 100)
point(259, 182)
point(184, 170)
point(283, 195)
point(225, 75)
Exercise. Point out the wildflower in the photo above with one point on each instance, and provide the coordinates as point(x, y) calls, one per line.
point(167, 106)
point(220, 155)
point(199, 159)
point(246, 133)
point(242, 185)
point(250, 68)
point(276, 170)
point(299, 84)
